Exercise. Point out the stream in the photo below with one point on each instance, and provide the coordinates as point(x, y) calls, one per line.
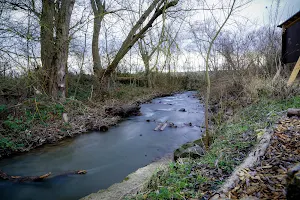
point(108, 157)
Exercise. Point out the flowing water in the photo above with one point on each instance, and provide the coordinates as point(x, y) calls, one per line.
point(108, 157)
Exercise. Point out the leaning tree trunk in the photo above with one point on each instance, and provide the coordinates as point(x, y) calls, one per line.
point(133, 36)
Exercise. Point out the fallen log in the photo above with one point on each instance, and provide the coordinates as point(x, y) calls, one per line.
point(4, 176)
point(123, 111)
point(293, 112)
point(158, 127)
point(163, 126)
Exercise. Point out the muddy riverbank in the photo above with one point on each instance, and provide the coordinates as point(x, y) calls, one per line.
point(81, 119)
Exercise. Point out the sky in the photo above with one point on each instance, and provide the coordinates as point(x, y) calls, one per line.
point(258, 10)
point(257, 13)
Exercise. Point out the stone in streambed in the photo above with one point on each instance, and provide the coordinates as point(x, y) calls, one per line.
point(189, 150)
point(103, 128)
point(293, 183)
point(182, 110)
point(172, 125)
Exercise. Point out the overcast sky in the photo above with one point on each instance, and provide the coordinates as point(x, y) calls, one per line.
point(258, 10)
point(257, 13)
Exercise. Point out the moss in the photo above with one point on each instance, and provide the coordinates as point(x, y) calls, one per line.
point(187, 145)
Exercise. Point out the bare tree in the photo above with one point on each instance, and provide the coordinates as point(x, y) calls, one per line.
point(147, 50)
point(133, 36)
point(55, 25)
point(207, 135)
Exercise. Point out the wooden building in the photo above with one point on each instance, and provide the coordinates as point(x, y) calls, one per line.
point(291, 39)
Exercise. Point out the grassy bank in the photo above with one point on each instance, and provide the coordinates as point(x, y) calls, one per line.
point(233, 139)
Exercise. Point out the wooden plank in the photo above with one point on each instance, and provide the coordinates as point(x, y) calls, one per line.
point(294, 73)
point(158, 127)
point(163, 126)
point(292, 23)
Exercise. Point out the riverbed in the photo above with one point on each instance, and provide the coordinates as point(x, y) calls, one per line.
point(108, 157)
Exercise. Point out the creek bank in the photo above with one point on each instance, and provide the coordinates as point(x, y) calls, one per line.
point(234, 138)
point(133, 183)
point(274, 174)
point(82, 119)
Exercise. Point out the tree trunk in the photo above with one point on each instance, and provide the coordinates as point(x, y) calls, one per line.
point(99, 12)
point(207, 137)
point(146, 61)
point(148, 77)
point(62, 45)
point(133, 37)
point(55, 24)
point(47, 45)
point(4, 176)
point(95, 48)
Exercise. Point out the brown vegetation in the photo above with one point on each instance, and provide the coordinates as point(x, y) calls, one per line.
point(268, 179)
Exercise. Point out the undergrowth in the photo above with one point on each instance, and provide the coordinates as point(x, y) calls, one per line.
point(198, 178)
point(21, 117)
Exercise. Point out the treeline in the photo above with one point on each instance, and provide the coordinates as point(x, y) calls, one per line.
point(49, 28)
point(53, 46)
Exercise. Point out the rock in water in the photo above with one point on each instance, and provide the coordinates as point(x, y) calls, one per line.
point(189, 150)
point(182, 110)
point(293, 183)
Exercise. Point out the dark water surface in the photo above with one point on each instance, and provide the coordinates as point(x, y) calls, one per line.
point(108, 157)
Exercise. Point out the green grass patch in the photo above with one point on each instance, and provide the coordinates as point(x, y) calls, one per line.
point(7, 143)
point(232, 141)
point(15, 120)
point(31, 112)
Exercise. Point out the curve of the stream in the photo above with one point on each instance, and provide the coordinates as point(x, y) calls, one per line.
point(108, 157)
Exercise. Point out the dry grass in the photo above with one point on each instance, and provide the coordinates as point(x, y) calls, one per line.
point(245, 89)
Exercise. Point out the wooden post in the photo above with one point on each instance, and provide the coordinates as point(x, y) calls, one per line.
point(294, 73)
